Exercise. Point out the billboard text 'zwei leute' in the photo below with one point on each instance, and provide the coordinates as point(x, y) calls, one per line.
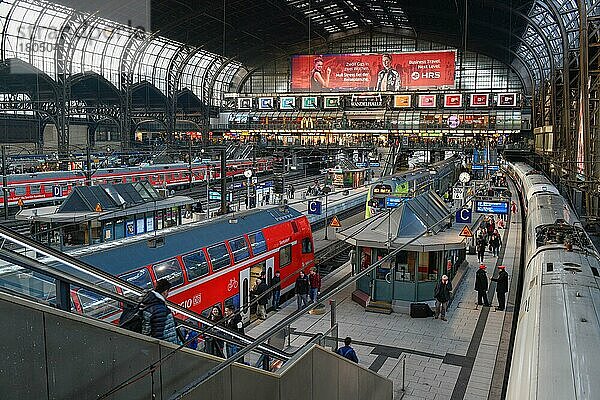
point(379, 72)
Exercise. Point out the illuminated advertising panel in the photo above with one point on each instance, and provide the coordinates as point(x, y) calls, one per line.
point(330, 102)
point(287, 103)
point(309, 103)
point(265, 103)
point(479, 100)
point(452, 100)
point(427, 100)
point(507, 100)
point(244, 103)
point(379, 72)
point(402, 101)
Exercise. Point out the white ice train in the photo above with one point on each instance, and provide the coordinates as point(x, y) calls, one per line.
point(556, 351)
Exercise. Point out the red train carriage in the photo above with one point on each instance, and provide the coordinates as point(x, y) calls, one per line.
point(212, 263)
point(43, 187)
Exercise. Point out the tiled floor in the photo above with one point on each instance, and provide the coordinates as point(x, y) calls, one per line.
point(444, 360)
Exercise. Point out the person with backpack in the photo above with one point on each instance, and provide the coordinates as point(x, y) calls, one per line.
point(157, 318)
point(347, 351)
point(442, 295)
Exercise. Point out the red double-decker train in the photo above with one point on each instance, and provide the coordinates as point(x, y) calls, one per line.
point(208, 263)
point(44, 187)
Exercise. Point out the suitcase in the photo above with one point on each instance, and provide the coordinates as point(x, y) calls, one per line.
point(420, 310)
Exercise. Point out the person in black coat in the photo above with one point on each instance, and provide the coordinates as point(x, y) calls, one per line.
point(481, 244)
point(276, 285)
point(157, 318)
point(442, 296)
point(302, 288)
point(235, 324)
point(215, 346)
point(481, 285)
point(495, 243)
point(501, 287)
point(260, 288)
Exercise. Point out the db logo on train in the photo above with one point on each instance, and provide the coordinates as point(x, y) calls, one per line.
point(233, 284)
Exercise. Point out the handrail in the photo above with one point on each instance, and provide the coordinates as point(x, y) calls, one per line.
point(130, 288)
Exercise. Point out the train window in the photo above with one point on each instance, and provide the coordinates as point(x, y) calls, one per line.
point(170, 270)
point(307, 245)
point(219, 256)
point(20, 191)
point(239, 248)
point(294, 226)
point(195, 265)
point(139, 278)
point(47, 188)
point(285, 256)
point(35, 189)
point(258, 243)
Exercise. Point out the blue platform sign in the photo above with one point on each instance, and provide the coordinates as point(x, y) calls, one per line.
point(477, 167)
point(56, 191)
point(374, 164)
point(493, 167)
point(361, 164)
point(491, 207)
point(314, 207)
point(463, 216)
point(393, 202)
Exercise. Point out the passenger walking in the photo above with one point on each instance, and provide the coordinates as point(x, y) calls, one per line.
point(501, 287)
point(260, 288)
point(301, 289)
point(235, 324)
point(442, 297)
point(276, 285)
point(157, 318)
point(347, 351)
point(481, 244)
point(481, 285)
point(315, 284)
point(495, 243)
point(215, 346)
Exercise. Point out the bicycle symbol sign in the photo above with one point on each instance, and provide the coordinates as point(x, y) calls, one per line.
point(233, 284)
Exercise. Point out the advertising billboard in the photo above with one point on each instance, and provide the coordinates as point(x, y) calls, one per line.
point(427, 100)
point(452, 100)
point(309, 103)
point(402, 101)
point(479, 100)
point(380, 72)
point(507, 100)
point(265, 103)
point(331, 102)
point(244, 103)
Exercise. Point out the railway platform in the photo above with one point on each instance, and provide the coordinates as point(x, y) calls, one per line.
point(463, 358)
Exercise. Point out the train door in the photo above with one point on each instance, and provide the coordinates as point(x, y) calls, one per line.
point(270, 273)
point(245, 294)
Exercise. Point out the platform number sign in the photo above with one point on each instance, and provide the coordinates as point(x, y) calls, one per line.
point(463, 216)
point(57, 191)
point(314, 207)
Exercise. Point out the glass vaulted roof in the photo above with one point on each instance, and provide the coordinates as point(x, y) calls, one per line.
point(342, 15)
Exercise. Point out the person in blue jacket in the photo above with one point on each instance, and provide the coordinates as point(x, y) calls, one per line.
point(347, 351)
point(157, 318)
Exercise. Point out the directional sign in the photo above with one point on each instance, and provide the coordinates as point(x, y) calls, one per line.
point(491, 207)
point(392, 202)
point(314, 207)
point(458, 193)
point(466, 232)
point(463, 216)
point(335, 222)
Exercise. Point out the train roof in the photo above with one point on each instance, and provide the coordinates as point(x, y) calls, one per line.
point(118, 257)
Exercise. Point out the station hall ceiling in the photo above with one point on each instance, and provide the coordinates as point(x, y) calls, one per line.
point(257, 30)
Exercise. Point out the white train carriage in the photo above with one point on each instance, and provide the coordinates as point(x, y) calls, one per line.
point(557, 342)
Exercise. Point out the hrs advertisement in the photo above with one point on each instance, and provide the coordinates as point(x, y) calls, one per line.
point(379, 72)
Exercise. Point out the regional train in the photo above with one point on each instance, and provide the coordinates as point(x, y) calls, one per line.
point(209, 263)
point(392, 190)
point(45, 187)
point(557, 344)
